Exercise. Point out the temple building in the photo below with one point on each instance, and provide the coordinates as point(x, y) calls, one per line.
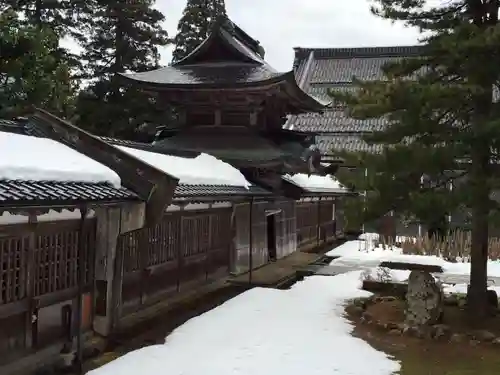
point(232, 104)
point(322, 69)
point(95, 231)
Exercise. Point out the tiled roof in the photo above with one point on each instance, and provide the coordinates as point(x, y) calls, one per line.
point(217, 74)
point(320, 91)
point(322, 69)
point(16, 192)
point(71, 192)
point(195, 191)
point(334, 121)
point(340, 65)
point(346, 142)
point(51, 192)
point(11, 126)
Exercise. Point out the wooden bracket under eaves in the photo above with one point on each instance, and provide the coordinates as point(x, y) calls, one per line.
point(152, 185)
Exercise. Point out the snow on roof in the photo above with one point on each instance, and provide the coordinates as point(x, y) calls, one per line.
point(40, 159)
point(203, 170)
point(315, 182)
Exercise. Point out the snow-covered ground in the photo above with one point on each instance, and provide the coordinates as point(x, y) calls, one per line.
point(294, 332)
point(366, 254)
point(266, 332)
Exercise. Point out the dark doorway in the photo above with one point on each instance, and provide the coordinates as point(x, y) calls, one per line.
point(271, 237)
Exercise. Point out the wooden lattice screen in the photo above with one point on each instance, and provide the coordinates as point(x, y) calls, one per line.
point(315, 223)
point(185, 247)
point(307, 223)
point(39, 267)
point(42, 259)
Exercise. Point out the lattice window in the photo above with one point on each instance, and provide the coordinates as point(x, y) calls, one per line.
point(13, 256)
point(195, 235)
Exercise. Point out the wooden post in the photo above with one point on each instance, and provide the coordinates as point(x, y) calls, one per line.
point(143, 263)
point(250, 243)
point(31, 328)
point(208, 262)
point(81, 280)
point(179, 251)
point(318, 224)
point(109, 262)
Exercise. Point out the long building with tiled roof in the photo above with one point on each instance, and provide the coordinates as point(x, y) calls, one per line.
point(321, 69)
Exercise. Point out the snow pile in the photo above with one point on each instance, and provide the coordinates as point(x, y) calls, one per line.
point(315, 182)
point(267, 332)
point(203, 170)
point(462, 288)
point(40, 159)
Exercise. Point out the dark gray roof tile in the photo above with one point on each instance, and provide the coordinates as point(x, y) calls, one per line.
point(334, 68)
point(334, 121)
point(208, 74)
point(189, 191)
point(329, 144)
point(359, 52)
point(320, 91)
point(343, 70)
point(53, 192)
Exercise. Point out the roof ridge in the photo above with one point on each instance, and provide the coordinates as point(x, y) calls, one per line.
point(356, 52)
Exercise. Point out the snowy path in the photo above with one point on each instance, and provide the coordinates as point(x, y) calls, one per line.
point(265, 331)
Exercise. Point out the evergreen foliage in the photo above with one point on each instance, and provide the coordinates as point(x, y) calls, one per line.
point(194, 25)
point(64, 18)
point(443, 116)
point(30, 75)
point(123, 36)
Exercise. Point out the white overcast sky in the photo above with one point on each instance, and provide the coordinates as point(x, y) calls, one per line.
point(280, 25)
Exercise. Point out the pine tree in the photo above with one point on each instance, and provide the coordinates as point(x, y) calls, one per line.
point(443, 112)
point(61, 16)
point(125, 36)
point(29, 73)
point(391, 185)
point(65, 18)
point(194, 25)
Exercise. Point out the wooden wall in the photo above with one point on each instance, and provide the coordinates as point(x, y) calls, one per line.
point(39, 273)
point(284, 216)
point(186, 249)
point(316, 223)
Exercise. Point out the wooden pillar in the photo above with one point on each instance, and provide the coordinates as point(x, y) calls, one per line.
point(31, 328)
point(111, 222)
point(108, 229)
point(250, 244)
point(318, 223)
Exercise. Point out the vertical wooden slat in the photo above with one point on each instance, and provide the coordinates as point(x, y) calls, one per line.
point(2, 271)
point(31, 327)
point(180, 251)
point(9, 270)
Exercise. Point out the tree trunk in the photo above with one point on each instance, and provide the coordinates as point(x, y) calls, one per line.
point(476, 296)
point(484, 14)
